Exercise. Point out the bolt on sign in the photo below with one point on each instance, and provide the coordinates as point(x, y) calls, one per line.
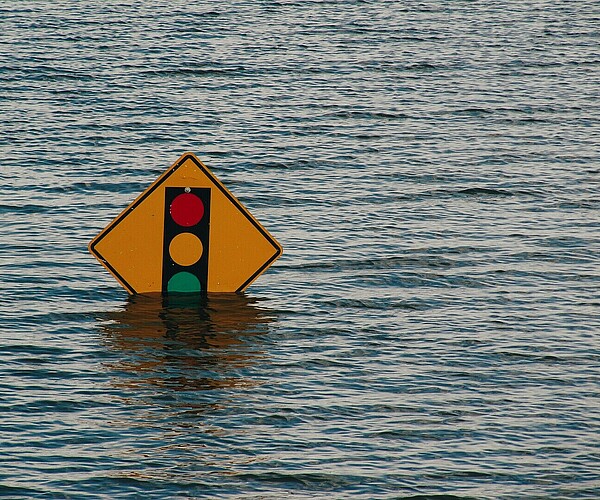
point(185, 233)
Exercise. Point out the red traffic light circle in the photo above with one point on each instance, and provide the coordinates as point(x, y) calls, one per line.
point(187, 209)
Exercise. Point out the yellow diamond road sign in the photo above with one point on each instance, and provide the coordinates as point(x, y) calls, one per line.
point(185, 233)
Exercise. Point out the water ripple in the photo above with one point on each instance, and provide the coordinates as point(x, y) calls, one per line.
point(430, 331)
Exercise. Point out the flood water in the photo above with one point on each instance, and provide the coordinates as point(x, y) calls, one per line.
point(431, 169)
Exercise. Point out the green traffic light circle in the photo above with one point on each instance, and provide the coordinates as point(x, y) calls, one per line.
point(184, 282)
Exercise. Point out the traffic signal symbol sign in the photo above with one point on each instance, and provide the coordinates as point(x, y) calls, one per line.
point(186, 232)
point(186, 239)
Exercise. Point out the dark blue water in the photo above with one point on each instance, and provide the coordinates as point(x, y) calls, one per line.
point(432, 171)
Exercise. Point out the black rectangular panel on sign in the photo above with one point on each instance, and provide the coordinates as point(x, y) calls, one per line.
point(186, 240)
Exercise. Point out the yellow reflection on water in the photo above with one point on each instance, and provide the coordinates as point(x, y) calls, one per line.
point(185, 342)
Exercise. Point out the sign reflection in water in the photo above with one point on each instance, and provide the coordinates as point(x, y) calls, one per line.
point(186, 342)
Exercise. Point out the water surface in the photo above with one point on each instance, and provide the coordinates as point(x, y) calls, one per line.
point(431, 170)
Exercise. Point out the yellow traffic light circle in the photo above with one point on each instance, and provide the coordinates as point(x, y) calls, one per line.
point(185, 249)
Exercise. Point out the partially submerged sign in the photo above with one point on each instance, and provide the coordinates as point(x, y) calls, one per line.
point(185, 233)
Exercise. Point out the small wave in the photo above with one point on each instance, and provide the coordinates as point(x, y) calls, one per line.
point(369, 115)
point(481, 191)
point(49, 73)
point(20, 492)
point(471, 192)
point(473, 111)
point(526, 357)
point(377, 263)
point(379, 304)
point(305, 480)
point(26, 209)
point(92, 187)
point(195, 71)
